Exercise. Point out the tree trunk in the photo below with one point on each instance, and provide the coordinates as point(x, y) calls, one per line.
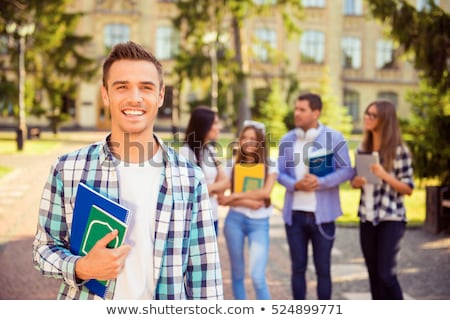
point(437, 217)
point(242, 86)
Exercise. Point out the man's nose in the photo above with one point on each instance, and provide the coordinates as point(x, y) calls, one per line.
point(136, 96)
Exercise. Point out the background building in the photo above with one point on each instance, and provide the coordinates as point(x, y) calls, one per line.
point(339, 40)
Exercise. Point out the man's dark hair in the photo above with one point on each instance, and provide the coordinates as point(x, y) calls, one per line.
point(315, 102)
point(130, 51)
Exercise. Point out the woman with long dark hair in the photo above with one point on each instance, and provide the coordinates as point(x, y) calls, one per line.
point(201, 134)
point(381, 209)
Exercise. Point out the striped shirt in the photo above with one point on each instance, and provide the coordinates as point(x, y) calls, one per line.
point(186, 258)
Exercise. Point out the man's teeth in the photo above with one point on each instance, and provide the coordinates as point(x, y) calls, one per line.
point(133, 112)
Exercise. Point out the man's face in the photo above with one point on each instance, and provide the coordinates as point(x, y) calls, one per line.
point(304, 117)
point(133, 95)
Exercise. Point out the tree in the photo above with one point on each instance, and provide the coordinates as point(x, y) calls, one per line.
point(225, 17)
point(54, 61)
point(427, 133)
point(424, 33)
point(334, 115)
point(273, 112)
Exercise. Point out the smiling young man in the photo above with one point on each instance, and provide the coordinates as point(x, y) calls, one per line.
point(170, 250)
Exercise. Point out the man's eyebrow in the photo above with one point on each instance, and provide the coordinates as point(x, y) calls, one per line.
point(148, 83)
point(119, 82)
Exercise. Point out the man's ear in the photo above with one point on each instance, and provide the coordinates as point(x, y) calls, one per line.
point(105, 96)
point(316, 114)
point(161, 96)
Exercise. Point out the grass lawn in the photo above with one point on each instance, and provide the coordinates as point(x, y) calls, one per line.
point(415, 204)
point(4, 170)
point(8, 146)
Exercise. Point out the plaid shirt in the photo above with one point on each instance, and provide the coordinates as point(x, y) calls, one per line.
point(186, 258)
point(388, 204)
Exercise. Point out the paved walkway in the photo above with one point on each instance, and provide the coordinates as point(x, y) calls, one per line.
point(423, 266)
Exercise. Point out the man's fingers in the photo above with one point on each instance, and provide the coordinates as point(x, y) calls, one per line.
point(103, 242)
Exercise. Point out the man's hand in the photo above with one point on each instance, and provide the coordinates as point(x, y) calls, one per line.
point(102, 263)
point(308, 183)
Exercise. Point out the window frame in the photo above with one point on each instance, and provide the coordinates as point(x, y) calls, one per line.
point(312, 47)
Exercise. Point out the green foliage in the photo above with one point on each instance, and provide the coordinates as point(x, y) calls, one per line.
point(333, 115)
point(54, 56)
point(273, 112)
point(428, 134)
point(225, 18)
point(289, 119)
point(9, 94)
point(425, 33)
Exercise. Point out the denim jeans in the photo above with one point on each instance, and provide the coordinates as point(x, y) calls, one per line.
point(238, 226)
point(380, 245)
point(302, 230)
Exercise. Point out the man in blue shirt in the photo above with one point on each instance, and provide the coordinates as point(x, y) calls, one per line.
point(311, 203)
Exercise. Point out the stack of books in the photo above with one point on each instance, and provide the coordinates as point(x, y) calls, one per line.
point(95, 216)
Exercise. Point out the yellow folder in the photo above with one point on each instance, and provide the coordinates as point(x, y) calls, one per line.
point(248, 176)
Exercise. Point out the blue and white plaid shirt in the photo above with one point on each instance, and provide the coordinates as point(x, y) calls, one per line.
point(386, 203)
point(186, 257)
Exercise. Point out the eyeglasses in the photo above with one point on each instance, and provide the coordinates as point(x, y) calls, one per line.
point(256, 124)
point(371, 115)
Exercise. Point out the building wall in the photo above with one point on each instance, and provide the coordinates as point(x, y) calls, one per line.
point(144, 17)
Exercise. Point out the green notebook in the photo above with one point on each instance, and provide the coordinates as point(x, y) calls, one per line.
point(251, 183)
point(100, 223)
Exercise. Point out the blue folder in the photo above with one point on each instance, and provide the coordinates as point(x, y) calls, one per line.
point(85, 198)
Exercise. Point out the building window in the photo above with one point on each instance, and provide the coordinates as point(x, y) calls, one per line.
point(353, 7)
point(166, 43)
point(6, 108)
point(3, 44)
point(266, 40)
point(115, 33)
point(351, 48)
point(351, 101)
point(313, 3)
point(425, 4)
point(385, 54)
point(312, 47)
point(389, 96)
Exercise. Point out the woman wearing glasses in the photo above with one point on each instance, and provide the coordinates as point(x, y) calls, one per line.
point(252, 176)
point(381, 209)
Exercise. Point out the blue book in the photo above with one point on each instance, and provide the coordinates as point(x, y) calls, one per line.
point(321, 162)
point(94, 216)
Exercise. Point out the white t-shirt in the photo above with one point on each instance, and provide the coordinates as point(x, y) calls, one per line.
point(262, 212)
point(304, 200)
point(209, 170)
point(139, 192)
